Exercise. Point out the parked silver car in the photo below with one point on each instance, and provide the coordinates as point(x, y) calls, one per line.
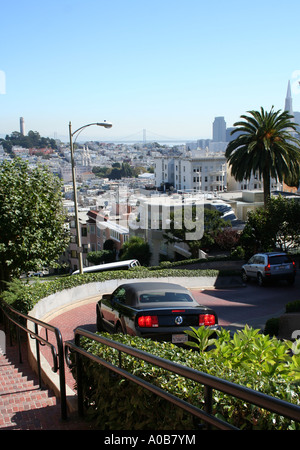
point(269, 266)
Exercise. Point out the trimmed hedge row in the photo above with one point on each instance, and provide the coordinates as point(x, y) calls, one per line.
point(23, 296)
point(249, 359)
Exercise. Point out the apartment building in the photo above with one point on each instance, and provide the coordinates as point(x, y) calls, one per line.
point(203, 171)
point(95, 229)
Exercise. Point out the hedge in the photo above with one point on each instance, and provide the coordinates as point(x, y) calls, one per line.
point(254, 360)
point(248, 359)
point(23, 296)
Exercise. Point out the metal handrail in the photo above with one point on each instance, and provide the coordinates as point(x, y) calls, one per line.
point(56, 351)
point(210, 382)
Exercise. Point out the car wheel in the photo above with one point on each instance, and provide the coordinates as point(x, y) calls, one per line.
point(244, 276)
point(99, 321)
point(119, 328)
point(260, 279)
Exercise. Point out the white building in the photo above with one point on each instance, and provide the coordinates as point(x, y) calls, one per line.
point(203, 171)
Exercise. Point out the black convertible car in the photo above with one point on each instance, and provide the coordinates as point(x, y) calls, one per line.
point(160, 311)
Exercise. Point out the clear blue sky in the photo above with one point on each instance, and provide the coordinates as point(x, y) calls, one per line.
point(166, 66)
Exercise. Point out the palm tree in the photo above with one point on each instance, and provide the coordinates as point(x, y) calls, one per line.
point(265, 145)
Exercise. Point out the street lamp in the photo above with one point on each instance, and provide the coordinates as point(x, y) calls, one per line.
point(99, 124)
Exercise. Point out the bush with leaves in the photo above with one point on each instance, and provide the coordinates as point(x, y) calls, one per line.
point(248, 358)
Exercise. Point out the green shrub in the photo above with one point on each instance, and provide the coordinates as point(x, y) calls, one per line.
point(24, 296)
point(292, 307)
point(248, 358)
point(272, 326)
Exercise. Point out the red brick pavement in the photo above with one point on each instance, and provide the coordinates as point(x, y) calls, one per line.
point(23, 405)
point(66, 322)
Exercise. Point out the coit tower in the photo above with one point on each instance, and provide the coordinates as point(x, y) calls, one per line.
point(22, 126)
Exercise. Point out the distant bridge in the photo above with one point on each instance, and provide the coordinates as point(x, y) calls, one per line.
point(144, 136)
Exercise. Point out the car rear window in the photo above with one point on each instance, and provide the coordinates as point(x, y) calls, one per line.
point(165, 297)
point(278, 259)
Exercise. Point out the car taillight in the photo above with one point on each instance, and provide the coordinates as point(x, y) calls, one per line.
point(294, 265)
point(207, 319)
point(148, 321)
point(268, 268)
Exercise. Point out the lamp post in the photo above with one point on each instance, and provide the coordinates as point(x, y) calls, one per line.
point(71, 134)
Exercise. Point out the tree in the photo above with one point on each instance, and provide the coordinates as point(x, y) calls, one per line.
point(101, 257)
point(274, 227)
point(136, 248)
point(265, 145)
point(32, 219)
point(213, 224)
point(33, 139)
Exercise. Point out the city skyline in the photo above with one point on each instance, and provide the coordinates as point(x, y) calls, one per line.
point(165, 67)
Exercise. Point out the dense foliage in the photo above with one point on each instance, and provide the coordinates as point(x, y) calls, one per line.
point(277, 226)
point(136, 248)
point(33, 139)
point(24, 296)
point(32, 219)
point(248, 358)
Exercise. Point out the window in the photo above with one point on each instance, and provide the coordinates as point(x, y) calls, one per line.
point(120, 295)
point(84, 231)
point(162, 297)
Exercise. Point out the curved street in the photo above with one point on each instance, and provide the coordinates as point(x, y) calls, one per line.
point(236, 307)
point(250, 304)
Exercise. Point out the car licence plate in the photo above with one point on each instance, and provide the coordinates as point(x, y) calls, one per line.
point(179, 338)
point(283, 267)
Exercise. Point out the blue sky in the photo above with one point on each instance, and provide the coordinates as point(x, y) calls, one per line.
point(166, 66)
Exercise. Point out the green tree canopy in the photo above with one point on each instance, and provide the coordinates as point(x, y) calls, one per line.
point(136, 248)
point(265, 145)
point(274, 227)
point(33, 139)
point(101, 257)
point(32, 220)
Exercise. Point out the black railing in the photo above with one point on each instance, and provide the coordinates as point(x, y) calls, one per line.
point(21, 321)
point(209, 382)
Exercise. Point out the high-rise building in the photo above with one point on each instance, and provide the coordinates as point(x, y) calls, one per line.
point(288, 106)
point(22, 126)
point(297, 120)
point(219, 129)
